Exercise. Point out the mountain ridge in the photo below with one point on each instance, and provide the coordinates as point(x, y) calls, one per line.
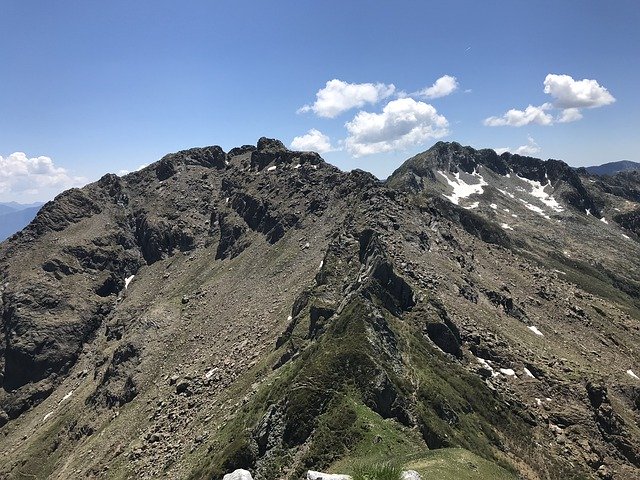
point(611, 168)
point(261, 309)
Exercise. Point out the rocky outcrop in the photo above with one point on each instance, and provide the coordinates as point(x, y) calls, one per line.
point(117, 385)
point(209, 157)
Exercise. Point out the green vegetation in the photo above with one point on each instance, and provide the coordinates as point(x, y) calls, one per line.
point(377, 471)
point(457, 464)
point(367, 391)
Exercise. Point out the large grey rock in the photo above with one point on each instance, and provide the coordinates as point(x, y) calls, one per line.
point(411, 475)
point(239, 474)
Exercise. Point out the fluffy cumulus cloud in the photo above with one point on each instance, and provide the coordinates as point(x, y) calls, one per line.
point(569, 115)
point(569, 96)
point(402, 123)
point(442, 87)
point(570, 93)
point(314, 140)
point(530, 149)
point(20, 174)
point(520, 118)
point(338, 96)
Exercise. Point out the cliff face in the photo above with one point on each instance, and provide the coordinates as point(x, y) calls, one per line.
point(261, 309)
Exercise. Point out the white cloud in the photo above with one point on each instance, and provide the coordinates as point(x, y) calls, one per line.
point(442, 87)
point(569, 96)
point(124, 171)
point(314, 140)
point(28, 176)
point(403, 123)
point(520, 118)
point(569, 115)
point(570, 93)
point(530, 149)
point(338, 97)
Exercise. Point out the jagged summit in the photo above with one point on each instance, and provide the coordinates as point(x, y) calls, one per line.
point(453, 157)
point(261, 309)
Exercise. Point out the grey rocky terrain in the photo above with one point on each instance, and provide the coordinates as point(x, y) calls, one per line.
point(260, 309)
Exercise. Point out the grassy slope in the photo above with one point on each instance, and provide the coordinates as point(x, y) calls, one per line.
point(326, 400)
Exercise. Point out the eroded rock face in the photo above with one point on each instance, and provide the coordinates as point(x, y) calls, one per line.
point(117, 385)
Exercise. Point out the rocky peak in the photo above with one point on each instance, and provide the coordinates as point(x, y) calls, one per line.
point(271, 152)
point(417, 173)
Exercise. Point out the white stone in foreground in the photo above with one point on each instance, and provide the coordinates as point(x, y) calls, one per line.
point(632, 375)
point(313, 475)
point(239, 474)
point(410, 475)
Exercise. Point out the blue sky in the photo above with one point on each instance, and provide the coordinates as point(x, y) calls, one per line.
point(92, 87)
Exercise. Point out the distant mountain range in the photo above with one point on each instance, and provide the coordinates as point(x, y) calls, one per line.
point(15, 216)
point(612, 168)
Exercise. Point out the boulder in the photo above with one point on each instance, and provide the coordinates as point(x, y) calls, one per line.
point(410, 475)
point(238, 474)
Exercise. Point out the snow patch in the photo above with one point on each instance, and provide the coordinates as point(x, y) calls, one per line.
point(461, 189)
point(535, 208)
point(528, 373)
point(271, 168)
point(485, 363)
point(507, 194)
point(296, 166)
point(537, 190)
point(46, 417)
point(535, 330)
point(508, 372)
point(588, 211)
point(626, 236)
point(127, 281)
point(494, 206)
point(604, 220)
point(67, 396)
point(506, 226)
point(632, 375)
point(472, 206)
point(321, 263)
